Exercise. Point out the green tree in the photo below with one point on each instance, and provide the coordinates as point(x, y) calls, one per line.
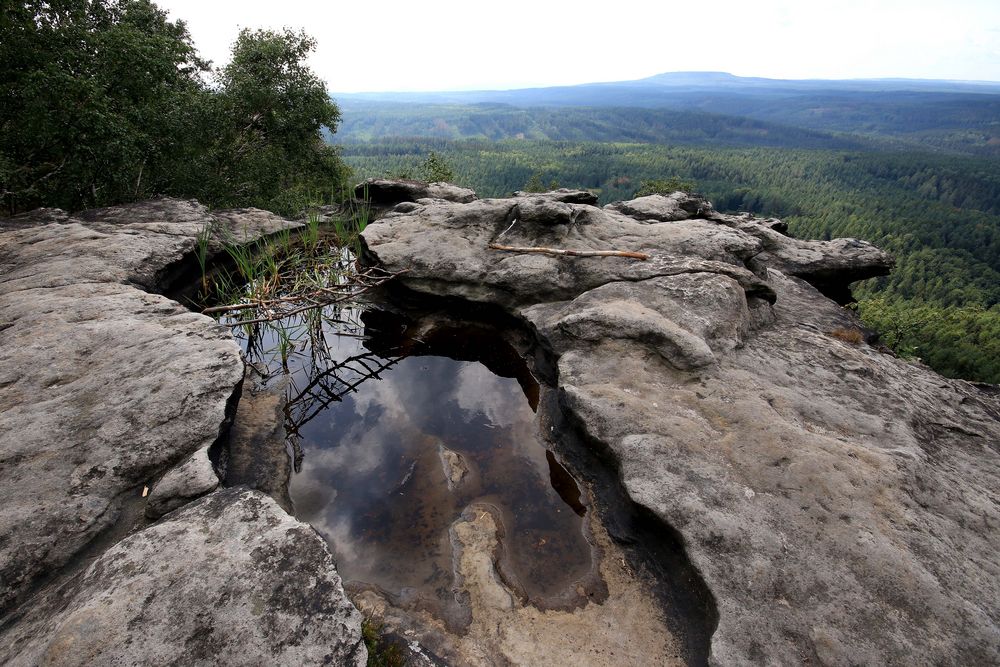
point(98, 98)
point(663, 186)
point(267, 121)
point(436, 169)
point(535, 184)
point(106, 101)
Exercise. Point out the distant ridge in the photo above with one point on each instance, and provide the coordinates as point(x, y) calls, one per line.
point(699, 108)
point(693, 80)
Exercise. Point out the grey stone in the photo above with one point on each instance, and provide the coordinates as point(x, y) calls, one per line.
point(839, 502)
point(191, 479)
point(389, 192)
point(256, 453)
point(829, 266)
point(39, 216)
point(543, 211)
point(230, 579)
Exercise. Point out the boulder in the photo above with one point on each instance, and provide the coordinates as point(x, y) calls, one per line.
point(229, 579)
point(445, 248)
point(838, 502)
point(564, 195)
point(829, 266)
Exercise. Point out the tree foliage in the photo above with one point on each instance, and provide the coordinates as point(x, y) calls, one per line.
point(663, 186)
point(436, 169)
point(106, 101)
point(267, 117)
point(97, 98)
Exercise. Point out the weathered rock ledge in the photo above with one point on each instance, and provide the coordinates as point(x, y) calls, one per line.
point(105, 386)
point(840, 503)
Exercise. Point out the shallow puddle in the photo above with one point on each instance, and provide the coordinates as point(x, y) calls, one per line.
point(394, 433)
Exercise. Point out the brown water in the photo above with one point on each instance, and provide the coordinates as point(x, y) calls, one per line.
point(394, 434)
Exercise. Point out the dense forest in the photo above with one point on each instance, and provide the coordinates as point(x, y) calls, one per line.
point(939, 214)
point(367, 121)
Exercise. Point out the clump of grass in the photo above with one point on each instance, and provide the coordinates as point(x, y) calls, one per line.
point(379, 655)
point(201, 254)
point(852, 336)
point(280, 282)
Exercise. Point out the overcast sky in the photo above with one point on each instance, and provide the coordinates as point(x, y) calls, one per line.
point(385, 45)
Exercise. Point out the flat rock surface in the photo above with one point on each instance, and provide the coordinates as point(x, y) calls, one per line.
point(840, 504)
point(230, 579)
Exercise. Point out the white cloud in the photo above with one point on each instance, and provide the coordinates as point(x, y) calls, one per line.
point(447, 44)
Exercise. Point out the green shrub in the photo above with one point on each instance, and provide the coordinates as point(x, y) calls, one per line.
point(663, 186)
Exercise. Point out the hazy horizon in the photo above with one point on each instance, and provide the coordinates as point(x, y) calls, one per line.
point(447, 45)
point(469, 89)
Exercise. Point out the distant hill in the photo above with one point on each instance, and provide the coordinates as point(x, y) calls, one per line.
point(670, 83)
point(953, 116)
point(370, 120)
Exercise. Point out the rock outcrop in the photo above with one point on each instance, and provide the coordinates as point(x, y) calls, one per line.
point(107, 388)
point(839, 503)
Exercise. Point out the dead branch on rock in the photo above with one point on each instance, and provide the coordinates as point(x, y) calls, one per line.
point(571, 253)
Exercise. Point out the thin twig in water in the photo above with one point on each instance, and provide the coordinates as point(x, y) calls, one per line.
point(345, 297)
point(317, 298)
point(571, 253)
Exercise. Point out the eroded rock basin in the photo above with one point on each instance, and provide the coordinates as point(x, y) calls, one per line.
point(419, 450)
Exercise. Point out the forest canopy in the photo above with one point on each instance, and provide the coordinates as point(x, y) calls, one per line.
point(107, 101)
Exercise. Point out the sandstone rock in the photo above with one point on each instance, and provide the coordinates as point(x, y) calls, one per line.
point(455, 467)
point(229, 579)
point(255, 454)
point(543, 211)
point(39, 216)
point(839, 503)
point(103, 385)
point(387, 192)
point(191, 479)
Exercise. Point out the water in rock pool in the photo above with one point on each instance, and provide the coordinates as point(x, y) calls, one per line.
point(394, 436)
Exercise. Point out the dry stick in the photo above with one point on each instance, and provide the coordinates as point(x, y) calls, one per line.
point(572, 253)
point(296, 311)
point(261, 303)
